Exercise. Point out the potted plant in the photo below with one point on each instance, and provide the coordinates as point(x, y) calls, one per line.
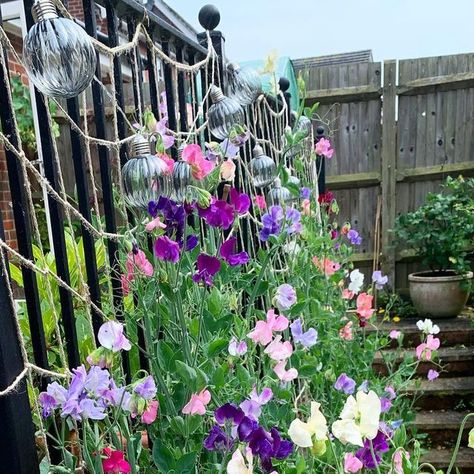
point(441, 233)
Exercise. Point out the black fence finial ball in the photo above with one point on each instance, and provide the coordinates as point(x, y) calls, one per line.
point(284, 84)
point(209, 17)
point(320, 131)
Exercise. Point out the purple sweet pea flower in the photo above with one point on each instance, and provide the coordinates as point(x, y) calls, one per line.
point(233, 259)
point(237, 348)
point(48, 404)
point(89, 409)
point(229, 149)
point(269, 445)
point(228, 412)
point(285, 297)
point(380, 446)
point(117, 397)
point(293, 218)
point(432, 375)
point(354, 237)
point(146, 388)
point(364, 386)
point(76, 387)
point(97, 380)
point(166, 249)
point(272, 222)
point(345, 384)
point(174, 216)
point(217, 440)
point(379, 279)
point(246, 428)
point(239, 201)
point(305, 193)
point(253, 407)
point(207, 267)
point(390, 391)
point(191, 242)
point(218, 214)
point(386, 404)
point(306, 339)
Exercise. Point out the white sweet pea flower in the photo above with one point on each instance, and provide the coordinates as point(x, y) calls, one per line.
point(357, 280)
point(292, 247)
point(427, 326)
point(302, 433)
point(239, 465)
point(359, 419)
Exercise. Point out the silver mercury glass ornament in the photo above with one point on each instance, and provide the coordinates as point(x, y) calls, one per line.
point(262, 168)
point(58, 54)
point(303, 148)
point(278, 194)
point(245, 84)
point(182, 178)
point(145, 176)
point(295, 181)
point(224, 114)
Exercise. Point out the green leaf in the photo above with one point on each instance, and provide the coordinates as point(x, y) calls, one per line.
point(178, 426)
point(186, 373)
point(300, 465)
point(185, 464)
point(162, 457)
point(217, 346)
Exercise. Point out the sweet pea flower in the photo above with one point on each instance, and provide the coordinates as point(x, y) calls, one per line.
point(228, 170)
point(200, 167)
point(306, 339)
point(197, 403)
point(283, 374)
point(207, 267)
point(237, 348)
point(323, 148)
point(379, 279)
point(394, 334)
point(305, 193)
point(239, 201)
point(351, 463)
point(346, 331)
point(260, 202)
point(424, 350)
point(227, 253)
point(364, 306)
point(150, 413)
point(359, 419)
point(354, 237)
point(111, 337)
point(302, 433)
point(169, 162)
point(115, 463)
point(137, 259)
point(253, 408)
point(166, 249)
point(240, 465)
point(306, 207)
point(155, 224)
point(263, 332)
point(357, 280)
point(326, 265)
point(397, 460)
point(278, 350)
point(285, 297)
point(379, 446)
point(345, 384)
point(347, 294)
point(146, 388)
point(427, 326)
point(432, 375)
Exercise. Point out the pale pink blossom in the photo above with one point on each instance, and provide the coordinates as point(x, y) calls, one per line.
point(200, 167)
point(278, 350)
point(137, 259)
point(228, 170)
point(346, 332)
point(154, 224)
point(364, 305)
point(306, 207)
point(397, 460)
point(323, 148)
point(424, 350)
point(263, 332)
point(351, 463)
point(111, 337)
point(347, 294)
point(149, 415)
point(197, 404)
point(283, 374)
point(394, 334)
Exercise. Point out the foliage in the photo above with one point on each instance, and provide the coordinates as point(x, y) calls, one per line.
point(441, 231)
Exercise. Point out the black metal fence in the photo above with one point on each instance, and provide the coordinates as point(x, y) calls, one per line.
point(17, 435)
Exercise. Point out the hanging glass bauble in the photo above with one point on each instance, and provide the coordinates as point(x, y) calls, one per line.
point(245, 84)
point(303, 147)
point(58, 54)
point(278, 194)
point(224, 114)
point(262, 168)
point(145, 176)
point(295, 182)
point(182, 178)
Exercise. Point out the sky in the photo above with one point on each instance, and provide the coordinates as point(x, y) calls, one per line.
point(393, 29)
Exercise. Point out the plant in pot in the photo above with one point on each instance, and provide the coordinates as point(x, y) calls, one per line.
point(441, 233)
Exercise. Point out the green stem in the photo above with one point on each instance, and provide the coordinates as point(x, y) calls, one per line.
point(374, 457)
point(182, 322)
point(458, 442)
point(201, 313)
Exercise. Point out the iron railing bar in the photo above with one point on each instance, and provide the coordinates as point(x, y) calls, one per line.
point(152, 81)
point(183, 114)
point(136, 81)
point(170, 99)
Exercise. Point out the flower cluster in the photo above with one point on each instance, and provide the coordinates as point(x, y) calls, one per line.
point(278, 220)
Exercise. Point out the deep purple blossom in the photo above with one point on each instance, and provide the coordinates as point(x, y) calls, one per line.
point(166, 249)
point(246, 428)
point(207, 267)
point(306, 339)
point(354, 237)
point(218, 214)
point(146, 388)
point(48, 404)
point(233, 259)
point(345, 384)
point(380, 446)
point(228, 411)
point(268, 445)
point(174, 216)
point(217, 440)
point(191, 242)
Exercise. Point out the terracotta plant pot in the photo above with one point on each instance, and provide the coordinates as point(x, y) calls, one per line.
point(439, 294)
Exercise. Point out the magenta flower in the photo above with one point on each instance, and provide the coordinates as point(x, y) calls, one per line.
point(237, 348)
point(207, 267)
point(111, 337)
point(200, 167)
point(239, 201)
point(233, 259)
point(323, 148)
point(218, 214)
point(285, 297)
point(345, 384)
point(166, 249)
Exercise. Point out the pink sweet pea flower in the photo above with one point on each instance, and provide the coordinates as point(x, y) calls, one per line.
point(126, 279)
point(364, 306)
point(263, 332)
point(306, 207)
point(323, 148)
point(394, 334)
point(347, 294)
point(283, 374)
point(397, 459)
point(424, 350)
point(111, 337)
point(197, 404)
point(149, 415)
point(278, 350)
point(351, 463)
point(260, 202)
point(137, 259)
point(115, 463)
point(327, 266)
point(346, 332)
point(200, 167)
point(155, 223)
point(168, 161)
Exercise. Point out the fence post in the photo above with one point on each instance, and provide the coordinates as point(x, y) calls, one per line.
point(388, 171)
point(17, 439)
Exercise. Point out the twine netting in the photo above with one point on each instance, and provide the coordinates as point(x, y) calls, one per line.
point(266, 126)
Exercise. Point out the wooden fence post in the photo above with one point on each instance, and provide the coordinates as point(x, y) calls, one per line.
point(388, 171)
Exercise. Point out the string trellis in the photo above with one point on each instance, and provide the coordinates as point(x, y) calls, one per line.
point(266, 127)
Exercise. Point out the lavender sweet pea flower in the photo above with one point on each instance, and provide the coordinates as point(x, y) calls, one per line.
point(48, 404)
point(293, 218)
point(117, 397)
point(233, 259)
point(272, 222)
point(385, 404)
point(97, 380)
point(166, 249)
point(217, 440)
point(285, 297)
point(146, 388)
point(364, 386)
point(379, 279)
point(76, 387)
point(306, 339)
point(111, 337)
point(237, 348)
point(305, 193)
point(345, 384)
point(251, 409)
point(354, 237)
point(89, 409)
point(229, 149)
point(207, 267)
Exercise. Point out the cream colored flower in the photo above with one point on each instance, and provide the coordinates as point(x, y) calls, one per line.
point(359, 419)
point(302, 433)
point(240, 465)
point(470, 442)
